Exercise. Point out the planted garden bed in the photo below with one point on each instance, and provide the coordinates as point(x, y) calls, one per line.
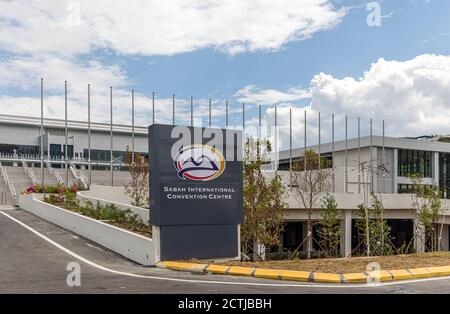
point(102, 228)
point(354, 264)
point(65, 198)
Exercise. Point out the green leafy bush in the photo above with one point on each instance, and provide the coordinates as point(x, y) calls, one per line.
point(109, 213)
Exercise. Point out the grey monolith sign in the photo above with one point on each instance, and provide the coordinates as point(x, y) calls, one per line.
point(195, 191)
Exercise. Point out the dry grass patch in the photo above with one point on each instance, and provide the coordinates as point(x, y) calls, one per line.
point(354, 264)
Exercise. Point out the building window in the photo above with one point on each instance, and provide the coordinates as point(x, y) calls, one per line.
point(405, 189)
point(444, 175)
point(414, 162)
point(20, 150)
point(105, 155)
point(326, 162)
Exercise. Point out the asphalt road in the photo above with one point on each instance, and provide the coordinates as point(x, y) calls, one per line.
point(31, 264)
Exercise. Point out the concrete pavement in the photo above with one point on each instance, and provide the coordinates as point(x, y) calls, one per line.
point(31, 263)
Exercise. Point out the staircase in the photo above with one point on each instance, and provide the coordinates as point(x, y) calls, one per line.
point(78, 175)
point(5, 195)
point(54, 172)
point(9, 186)
point(19, 177)
point(29, 172)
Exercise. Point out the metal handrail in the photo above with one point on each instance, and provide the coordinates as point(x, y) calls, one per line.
point(8, 183)
point(54, 172)
point(78, 175)
point(84, 178)
point(29, 171)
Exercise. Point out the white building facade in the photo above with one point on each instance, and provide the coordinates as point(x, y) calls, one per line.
point(398, 158)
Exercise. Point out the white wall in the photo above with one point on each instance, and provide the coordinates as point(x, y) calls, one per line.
point(128, 244)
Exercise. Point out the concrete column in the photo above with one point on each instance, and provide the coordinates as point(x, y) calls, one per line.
point(419, 241)
point(444, 237)
point(16, 156)
point(395, 171)
point(156, 239)
point(346, 232)
point(435, 165)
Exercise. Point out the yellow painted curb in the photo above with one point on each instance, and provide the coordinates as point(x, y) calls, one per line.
point(267, 273)
point(354, 277)
point(400, 274)
point(440, 270)
point(326, 277)
point(183, 266)
point(217, 269)
point(240, 271)
point(295, 275)
point(382, 275)
point(420, 273)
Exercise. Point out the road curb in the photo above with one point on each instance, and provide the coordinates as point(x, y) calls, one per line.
point(305, 276)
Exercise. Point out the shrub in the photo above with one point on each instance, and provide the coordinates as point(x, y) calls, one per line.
point(51, 189)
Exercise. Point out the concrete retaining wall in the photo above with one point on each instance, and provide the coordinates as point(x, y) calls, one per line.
point(128, 244)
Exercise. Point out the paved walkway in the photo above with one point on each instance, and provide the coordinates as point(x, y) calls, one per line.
point(34, 255)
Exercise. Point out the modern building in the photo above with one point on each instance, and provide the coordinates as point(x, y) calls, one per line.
point(355, 164)
point(20, 152)
point(21, 137)
point(380, 165)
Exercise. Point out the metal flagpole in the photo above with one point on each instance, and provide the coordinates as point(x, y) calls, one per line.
point(42, 132)
point(132, 125)
point(111, 136)
point(89, 134)
point(384, 162)
point(192, 111)
point(243, 124)
point(258, 143)
point(66, 155)
point(173, 109)
point(304, 149)
point(153, 107)
point(359, 155)
point(226, 113)
point(243, 116)
point(346, 154)
point(319, 142)
point(210, 112)
point(332, 152)
point(371, 158)
point(276, 141)
point(259, 111)
point(290, 148)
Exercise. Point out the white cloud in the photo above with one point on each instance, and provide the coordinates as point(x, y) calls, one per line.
point(25, 73)
point(412, 96)
point(38, 38)
point(161, 27)
point(252, 94)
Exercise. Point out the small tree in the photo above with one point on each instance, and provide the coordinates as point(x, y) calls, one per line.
point(372, 221)
point(310, 180)
point(263, 204)
point(138, 187)
point(329, 230)
point(427, 205)
point(380, 232)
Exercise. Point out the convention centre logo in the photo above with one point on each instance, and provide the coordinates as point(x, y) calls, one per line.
point(199, 163)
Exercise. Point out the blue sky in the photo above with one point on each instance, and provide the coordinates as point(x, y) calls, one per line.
point(346, 50)
point(318, 55)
